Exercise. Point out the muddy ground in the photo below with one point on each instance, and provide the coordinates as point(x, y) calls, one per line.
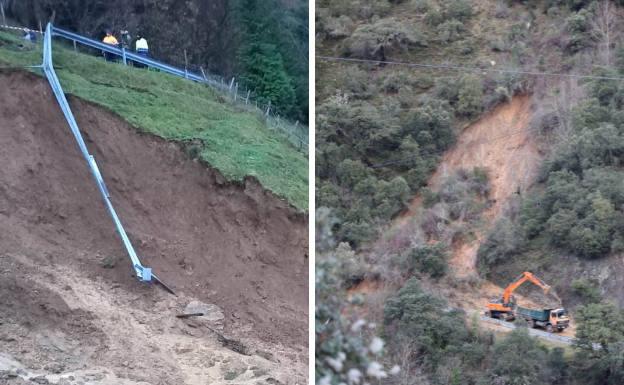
point(70, 308)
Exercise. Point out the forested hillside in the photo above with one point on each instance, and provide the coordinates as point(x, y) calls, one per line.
point(262, 43)
point(460, 143)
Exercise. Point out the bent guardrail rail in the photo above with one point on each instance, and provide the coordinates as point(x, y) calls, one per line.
point(127, 55)
point(143, 273)
point(299, 139)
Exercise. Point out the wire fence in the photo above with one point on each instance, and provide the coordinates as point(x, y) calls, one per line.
point(296, 132)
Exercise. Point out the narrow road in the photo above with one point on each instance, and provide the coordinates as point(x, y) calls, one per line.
point(532, 332)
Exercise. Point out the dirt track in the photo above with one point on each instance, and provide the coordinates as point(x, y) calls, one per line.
point(236, 246)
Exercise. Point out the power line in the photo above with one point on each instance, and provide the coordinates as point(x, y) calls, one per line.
point(455, 67)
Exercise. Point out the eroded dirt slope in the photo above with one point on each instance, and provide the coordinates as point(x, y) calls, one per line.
point(500, 142)
point(236, 246)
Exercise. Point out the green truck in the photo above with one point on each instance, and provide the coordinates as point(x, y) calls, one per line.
point(549, 319)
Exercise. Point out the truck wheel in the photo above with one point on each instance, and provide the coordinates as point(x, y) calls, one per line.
point(549, 328)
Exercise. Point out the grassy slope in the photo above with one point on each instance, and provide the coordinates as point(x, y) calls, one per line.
point(234, 140)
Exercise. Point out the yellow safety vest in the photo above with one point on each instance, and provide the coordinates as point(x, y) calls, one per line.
point(110, 39)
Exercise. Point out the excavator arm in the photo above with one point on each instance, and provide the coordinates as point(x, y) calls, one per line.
point(503, 307)
point(526, 276)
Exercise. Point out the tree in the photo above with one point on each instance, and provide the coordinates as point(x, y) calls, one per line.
point(260, 60)
point(519, 360)
point(470, 98)
point(604, 28)
point(414, 315)
point(601, 324)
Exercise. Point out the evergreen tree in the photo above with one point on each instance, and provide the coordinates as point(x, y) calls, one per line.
point(261, 63)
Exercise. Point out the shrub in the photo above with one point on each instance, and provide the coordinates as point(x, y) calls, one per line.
point(344, 348)
point(428, 259)
point(386, 36)
point(586, 290)
point(458, 9)
point(425, 321)
point(430, 125)
point(451, 30)
point(470, 97)
point(502, 243)
point(518, 360)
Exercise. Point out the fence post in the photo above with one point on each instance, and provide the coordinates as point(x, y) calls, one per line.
point(2, 9)
point(268, 109)
point(231, 84)
point(236, 91)
point(40, 29)
point(247, 98)
point(185, 65)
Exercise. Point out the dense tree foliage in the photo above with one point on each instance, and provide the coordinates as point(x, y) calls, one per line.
point(600, 343)
point(580, 208)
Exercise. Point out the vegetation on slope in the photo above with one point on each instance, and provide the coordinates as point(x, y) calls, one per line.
point(384, 125)
point(383, 128)
point(217, 35)
point(226, 135)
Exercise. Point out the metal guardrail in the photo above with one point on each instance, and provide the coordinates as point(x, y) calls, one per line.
point(299, 139)
point(142, 272)
point(128, 55)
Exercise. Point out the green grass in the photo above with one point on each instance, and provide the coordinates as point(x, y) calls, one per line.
point(233, 139)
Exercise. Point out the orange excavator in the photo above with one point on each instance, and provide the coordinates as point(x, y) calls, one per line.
point(504, 308)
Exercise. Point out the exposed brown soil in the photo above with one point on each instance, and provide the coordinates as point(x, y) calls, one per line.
point(502, 144)
point(233, 245)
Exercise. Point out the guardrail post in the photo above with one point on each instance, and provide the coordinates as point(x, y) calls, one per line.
point(2, 9)
point(123, 55)
point(75, 48)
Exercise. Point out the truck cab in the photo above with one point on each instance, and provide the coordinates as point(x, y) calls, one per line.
point(558, 319)
point(549, 319)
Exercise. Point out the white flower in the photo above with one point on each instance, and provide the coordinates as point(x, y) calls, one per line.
point(395, 370)
point(335, 363)
point(376, 345)
point(357, 325)
point(354, 376)
point(375, 370)
point(325, 380)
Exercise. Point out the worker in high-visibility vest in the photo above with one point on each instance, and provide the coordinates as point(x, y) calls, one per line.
point(112, 40)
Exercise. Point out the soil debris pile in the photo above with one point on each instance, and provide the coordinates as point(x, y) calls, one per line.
point(232, 245)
